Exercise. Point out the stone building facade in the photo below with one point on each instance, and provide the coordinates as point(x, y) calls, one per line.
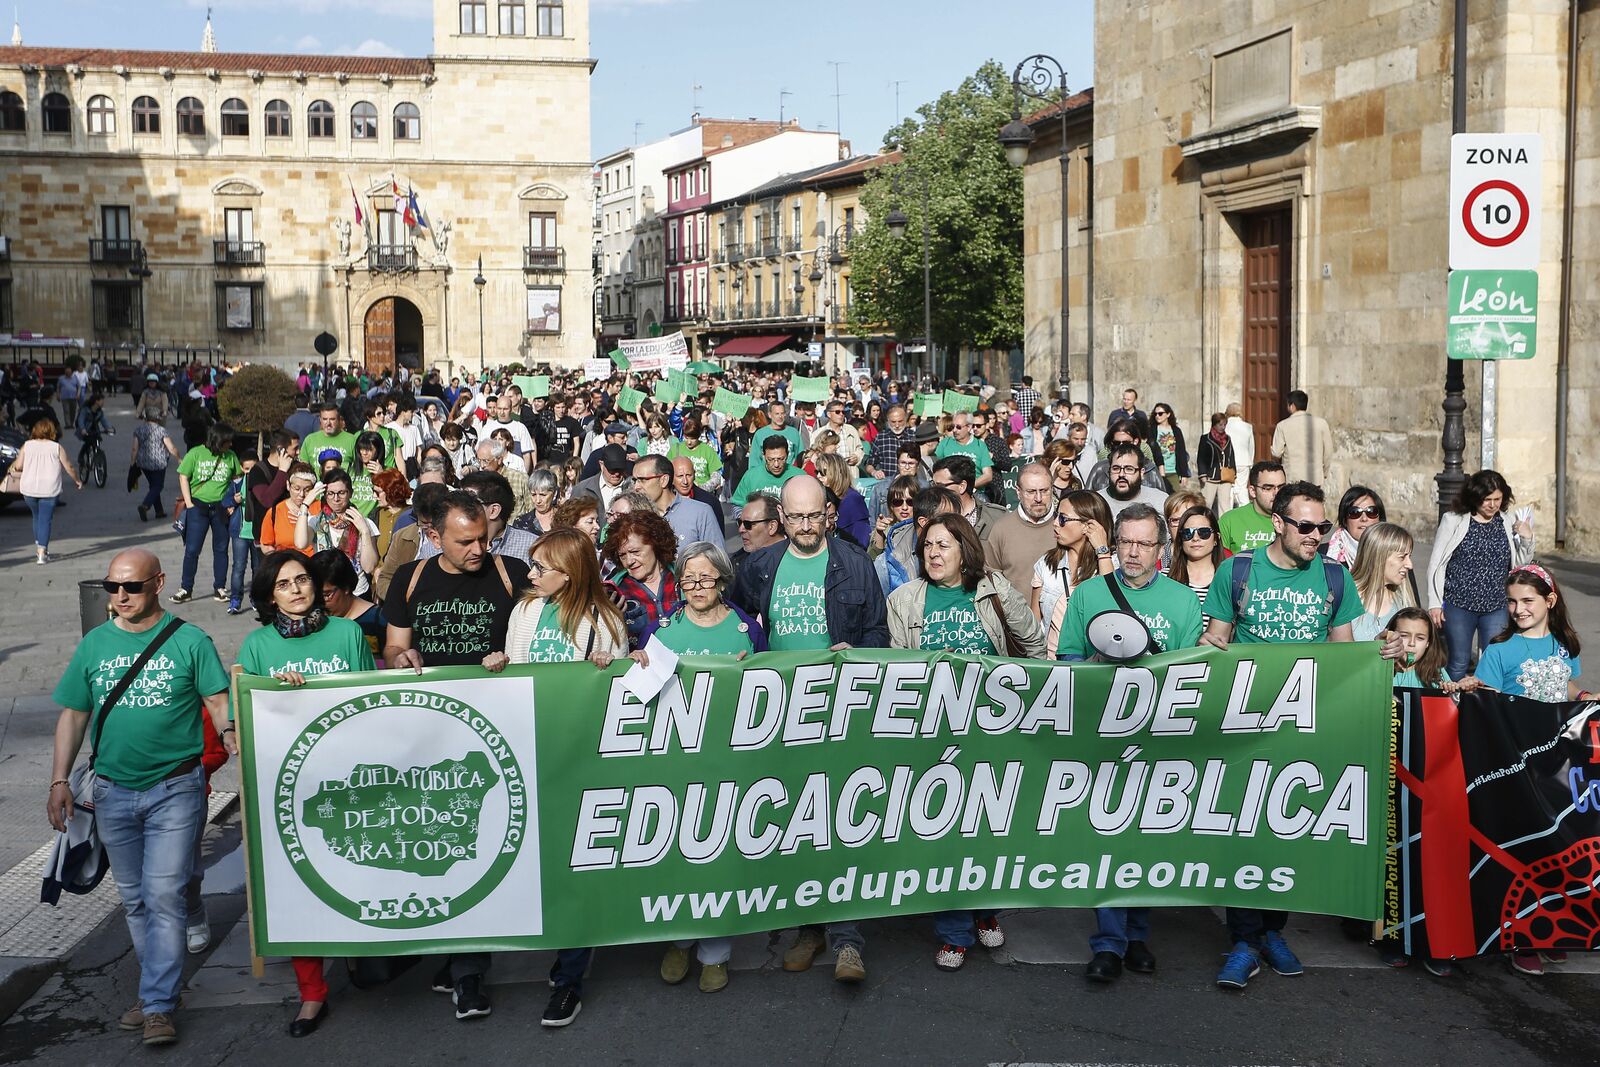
point(209, 200)
point(1270, 187)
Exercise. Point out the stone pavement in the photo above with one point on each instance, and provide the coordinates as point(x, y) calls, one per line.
point(80, 952)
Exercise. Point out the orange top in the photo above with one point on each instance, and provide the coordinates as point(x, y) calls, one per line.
point(277, 529)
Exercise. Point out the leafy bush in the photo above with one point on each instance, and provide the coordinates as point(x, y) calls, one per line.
point(257, 399)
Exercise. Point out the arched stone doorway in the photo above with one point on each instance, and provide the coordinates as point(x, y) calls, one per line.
point(393, 335)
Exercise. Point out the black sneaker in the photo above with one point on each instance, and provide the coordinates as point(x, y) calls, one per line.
point(564, 1006)
point(470, 1000)
point(144, 513)
point(220, 596)
point(182, 596)
point(442, 982)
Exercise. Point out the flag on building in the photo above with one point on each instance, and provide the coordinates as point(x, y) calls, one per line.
point(414, 216)
point(400, 202)
point(361, 220)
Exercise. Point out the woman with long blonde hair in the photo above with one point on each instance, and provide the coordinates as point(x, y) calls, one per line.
point(1382, 573)
point(565, 615)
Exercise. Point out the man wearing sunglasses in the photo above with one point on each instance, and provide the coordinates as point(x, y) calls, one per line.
point(759, 526)
point(149, 785)
point(1288, 595)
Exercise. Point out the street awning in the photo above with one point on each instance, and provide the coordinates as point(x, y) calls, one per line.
point(755, 345)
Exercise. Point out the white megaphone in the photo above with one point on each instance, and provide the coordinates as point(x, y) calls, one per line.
point(1119, 636)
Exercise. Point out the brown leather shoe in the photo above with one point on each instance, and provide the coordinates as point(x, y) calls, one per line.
point(158, 1029)
point(848, 967)
point(806, 946)
point(133, 1018)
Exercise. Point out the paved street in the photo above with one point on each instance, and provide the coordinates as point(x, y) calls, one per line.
point(1027, 1002)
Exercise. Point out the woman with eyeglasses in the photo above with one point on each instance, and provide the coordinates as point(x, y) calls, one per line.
point(1167, 437)
point(1082, 550)
point(705, 624)
point(339, 526)
point(1199, 552)
point(641, 547)
point(1061, 460)
point(959, 605)
point(1360, 509)
point(337, 580)
point(897, 509)
point(908, 464)
point(299, 639)
point(278, 525)
point(1177, 503)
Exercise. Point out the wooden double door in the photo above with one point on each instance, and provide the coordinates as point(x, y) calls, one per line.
point(1268, 308)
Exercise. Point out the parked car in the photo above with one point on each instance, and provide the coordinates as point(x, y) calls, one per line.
point(11, 440)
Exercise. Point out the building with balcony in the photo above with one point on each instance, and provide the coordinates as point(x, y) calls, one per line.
point(243, 203)
point(722, 173)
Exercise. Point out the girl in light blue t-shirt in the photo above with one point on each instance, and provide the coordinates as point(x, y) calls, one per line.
point(1537, 656)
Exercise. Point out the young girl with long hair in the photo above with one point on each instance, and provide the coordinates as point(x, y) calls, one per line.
point(1537, 655)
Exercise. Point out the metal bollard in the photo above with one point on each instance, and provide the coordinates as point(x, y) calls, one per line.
point(94, 606)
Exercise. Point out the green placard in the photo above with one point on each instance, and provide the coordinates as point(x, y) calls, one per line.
point(809, 390)
point(928, 405)
point(532, 385)
point(683, 381)
point(954, 402)
point(619, 358)
point(732, 404)
point(667, 392)
point(1492, 314)
point(629, 399)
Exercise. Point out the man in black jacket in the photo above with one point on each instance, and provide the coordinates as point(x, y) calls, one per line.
point(815, 592)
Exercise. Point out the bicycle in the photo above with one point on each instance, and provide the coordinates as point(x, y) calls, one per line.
point(92, 461)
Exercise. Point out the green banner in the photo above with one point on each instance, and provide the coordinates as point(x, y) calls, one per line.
point(732, 404)
point(547, 807)
point(619, 357)
point(1492, 314)
point(954, 402)
point(928, 405)
point(629, 399)
point(532, 385)
point(803, 390)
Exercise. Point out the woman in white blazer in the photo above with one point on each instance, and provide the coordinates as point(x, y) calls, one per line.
point(1478, 543)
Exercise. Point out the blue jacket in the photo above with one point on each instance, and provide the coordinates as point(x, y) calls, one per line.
point(853, 599)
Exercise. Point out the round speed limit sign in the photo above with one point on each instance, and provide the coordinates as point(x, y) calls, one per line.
point(1495, 213)
point(1494, 201)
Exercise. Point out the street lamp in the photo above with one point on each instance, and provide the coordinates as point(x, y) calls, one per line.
point(141, 271)
point(1037, 77)
point(897, 223)
point(480, 281)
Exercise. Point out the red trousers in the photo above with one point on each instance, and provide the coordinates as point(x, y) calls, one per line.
point(308, 975)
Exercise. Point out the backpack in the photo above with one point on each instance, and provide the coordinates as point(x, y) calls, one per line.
point(1332, 576)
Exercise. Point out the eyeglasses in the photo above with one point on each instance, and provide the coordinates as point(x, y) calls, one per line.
point(1368, 512)
point(1197, 533)
point(284, 585)
point(815, 518)
point(693, 584)
point(336, 494)
point(1306, 527)
point(136, 586)
point(1123, 542)
point(751, 524)
point(540, 570)
point(1062, 520)
point(1126, 470)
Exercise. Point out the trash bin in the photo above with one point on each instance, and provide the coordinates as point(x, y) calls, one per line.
point(94, 606)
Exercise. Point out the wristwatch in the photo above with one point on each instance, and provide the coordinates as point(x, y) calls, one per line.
point(1103, 551)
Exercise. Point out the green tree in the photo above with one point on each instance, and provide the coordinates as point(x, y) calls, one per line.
point(257, 400)
point(974, 210)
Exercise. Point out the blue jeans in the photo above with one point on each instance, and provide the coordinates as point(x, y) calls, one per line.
point(244, 551)
point(567, 971)
point(959, 928)
point(1252, 925)
point(149, 837)
point(156, 480)
point(1118, 926)
point(42, 508)
point(196, 521)
point(1459, 626)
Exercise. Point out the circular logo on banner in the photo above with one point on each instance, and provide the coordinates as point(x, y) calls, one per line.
point(451, 829)
point(1495, 213)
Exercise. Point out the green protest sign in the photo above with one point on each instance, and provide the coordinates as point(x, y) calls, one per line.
point(532, 385)
point(629, 399)
point(809, 390)
point(1492, 314)
point(928, 405)
point(954, 402)
point(619, 357)
point(732, 404)
point(668, 392)
point(547, 806)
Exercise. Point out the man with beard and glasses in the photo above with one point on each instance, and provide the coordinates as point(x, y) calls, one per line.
point(1126, 466)
point(1016, 541)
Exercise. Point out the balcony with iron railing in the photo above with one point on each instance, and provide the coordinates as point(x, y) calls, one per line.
point(544, 258)
point(793, 243)
point(239, 253)
point(391, 259)
point(115, 250)
point(771, 245)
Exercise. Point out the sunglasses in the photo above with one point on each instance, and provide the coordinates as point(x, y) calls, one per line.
point(1202, 533)
point(135, 587)
point(899, 501)
point(1368, 512)
point(1306, 527)
point(751, 524)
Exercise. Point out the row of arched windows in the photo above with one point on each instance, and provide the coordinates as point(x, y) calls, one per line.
point(56, 112)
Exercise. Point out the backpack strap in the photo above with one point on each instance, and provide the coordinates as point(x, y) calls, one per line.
point(500, 568)
point(127, 680)
point(1154, 647)
point(1240, 580)
point(1333, 574)
point(416, 576)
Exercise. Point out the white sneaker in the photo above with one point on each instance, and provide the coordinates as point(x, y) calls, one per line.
point(198, 932)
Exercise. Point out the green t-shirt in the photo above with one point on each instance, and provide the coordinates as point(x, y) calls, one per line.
point(797, 618)
point(338, 647)
point(391, 445)
point(950, 622)
point(208, 473)
point(760, 480)
point(1245, 529)
point(703, 456)
point(549, 643)
point(156, 724)
point(1282, 606)
point(981, 457)
point(729, 637)
point(363, 494)
point(1169, 608)
point(788, 433)
point(316, 441)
